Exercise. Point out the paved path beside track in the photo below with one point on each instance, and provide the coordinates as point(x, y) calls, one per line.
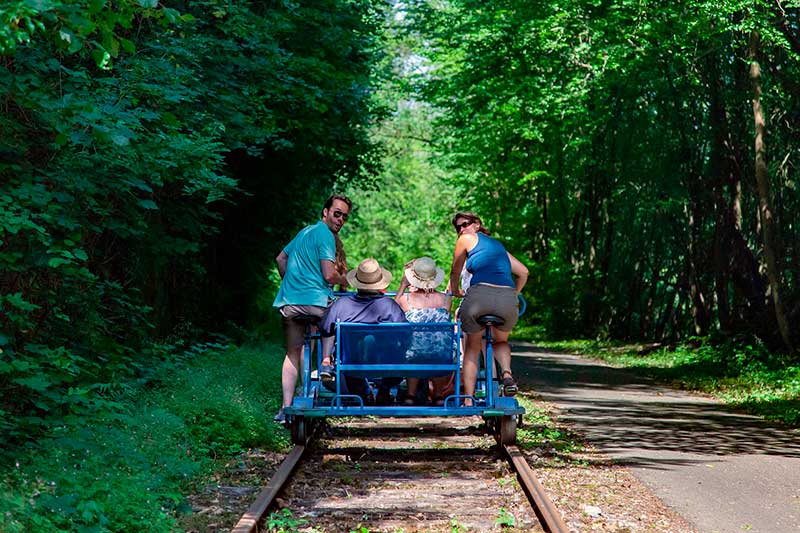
point(721, 470)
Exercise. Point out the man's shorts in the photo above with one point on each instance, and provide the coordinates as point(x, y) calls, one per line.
point(484, 299)
point(294, 331)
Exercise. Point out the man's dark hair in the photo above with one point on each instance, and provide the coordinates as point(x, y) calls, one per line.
point(341, 197)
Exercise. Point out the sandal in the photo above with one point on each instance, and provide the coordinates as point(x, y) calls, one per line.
point(509, 385)
point(409, 401)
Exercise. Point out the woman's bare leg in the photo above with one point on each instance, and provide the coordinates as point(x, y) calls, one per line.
point(501, 350)
point(469, 368)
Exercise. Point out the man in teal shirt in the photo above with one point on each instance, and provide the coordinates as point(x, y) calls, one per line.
point(307, 266)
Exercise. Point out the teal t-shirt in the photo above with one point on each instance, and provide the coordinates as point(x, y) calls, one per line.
point(303, 283)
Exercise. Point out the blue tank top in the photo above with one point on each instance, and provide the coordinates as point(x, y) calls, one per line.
point(488, 263)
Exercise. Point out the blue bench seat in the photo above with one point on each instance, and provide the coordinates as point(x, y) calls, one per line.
point(421, 350)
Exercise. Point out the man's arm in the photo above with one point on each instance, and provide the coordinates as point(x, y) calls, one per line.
point(331, 275)
point(282, 261)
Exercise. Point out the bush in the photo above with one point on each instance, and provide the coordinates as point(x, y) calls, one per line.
point(130, 468)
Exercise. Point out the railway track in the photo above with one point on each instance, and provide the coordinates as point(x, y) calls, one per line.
point(391, 475)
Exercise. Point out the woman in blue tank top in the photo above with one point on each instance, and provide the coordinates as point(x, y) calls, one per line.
point(497, 279)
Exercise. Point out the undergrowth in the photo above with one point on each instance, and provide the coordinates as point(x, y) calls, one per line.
point(127, 468)
point(541, 431)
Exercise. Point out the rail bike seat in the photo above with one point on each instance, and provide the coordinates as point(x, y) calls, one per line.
point(308, 320)
point(490, 320)
point(391, 349)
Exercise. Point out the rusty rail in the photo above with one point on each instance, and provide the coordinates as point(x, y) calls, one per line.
point(250, 520)
point(547, 513)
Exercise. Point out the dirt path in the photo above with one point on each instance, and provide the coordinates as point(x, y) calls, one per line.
point(723, 471)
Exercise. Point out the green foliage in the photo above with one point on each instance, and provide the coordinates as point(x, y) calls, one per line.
point(407, 213)
point(129, 136)
point(129, 468)
point(404, 212)
point(505, 518)
point(611, 144)
point(283, 522)
point(540, 431)
point(456, 527)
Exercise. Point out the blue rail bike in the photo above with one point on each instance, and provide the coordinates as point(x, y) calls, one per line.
point(372, 357)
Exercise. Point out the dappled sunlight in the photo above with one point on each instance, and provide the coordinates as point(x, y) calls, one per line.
point(623, 413)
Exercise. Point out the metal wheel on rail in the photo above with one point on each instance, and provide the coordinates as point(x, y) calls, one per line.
point(299, 430)
point(508, 430)
point(490, 425)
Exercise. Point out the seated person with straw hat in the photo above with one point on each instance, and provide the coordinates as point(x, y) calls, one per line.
point(423, 303)
point(367, 306)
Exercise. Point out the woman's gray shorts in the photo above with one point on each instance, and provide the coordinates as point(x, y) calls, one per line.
point(489, 300)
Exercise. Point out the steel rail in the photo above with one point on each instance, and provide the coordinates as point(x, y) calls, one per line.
point(249, 522)
point(547, 513)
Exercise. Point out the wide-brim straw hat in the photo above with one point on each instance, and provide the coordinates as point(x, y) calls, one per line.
point(369, 275)
point(424, 274)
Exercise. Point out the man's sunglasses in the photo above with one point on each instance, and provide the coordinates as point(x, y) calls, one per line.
point(340, 214)
point(461, 226)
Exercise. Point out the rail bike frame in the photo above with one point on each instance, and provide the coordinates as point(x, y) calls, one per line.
point(376, 351)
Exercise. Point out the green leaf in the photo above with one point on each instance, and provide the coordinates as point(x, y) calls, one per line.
point(96, 6)
point(148, 204)
point(56, 262)
point(127, 45)
point(38, 383)
point(102, 58)
point(148, 3)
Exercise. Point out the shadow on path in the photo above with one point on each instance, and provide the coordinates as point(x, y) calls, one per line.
point(625, 414)
point(722, 470)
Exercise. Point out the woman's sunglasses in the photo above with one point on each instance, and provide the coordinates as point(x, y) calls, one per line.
point(461, 226)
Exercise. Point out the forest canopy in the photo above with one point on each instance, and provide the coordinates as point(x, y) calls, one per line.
point(643, 155)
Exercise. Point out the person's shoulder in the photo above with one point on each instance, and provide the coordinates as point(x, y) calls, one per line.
point(467, 241)
point(344, 299)
point(318, 227)
point(322, 232)
point(396, 309)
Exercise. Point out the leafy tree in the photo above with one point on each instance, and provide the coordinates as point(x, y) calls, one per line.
point(611, 142)
point(134, 133)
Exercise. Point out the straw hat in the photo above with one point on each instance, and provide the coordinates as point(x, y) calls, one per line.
point(369, 275)
point(424, 274)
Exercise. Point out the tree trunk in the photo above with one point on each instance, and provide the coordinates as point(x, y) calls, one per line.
point(698, 301)
point(765, 210)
